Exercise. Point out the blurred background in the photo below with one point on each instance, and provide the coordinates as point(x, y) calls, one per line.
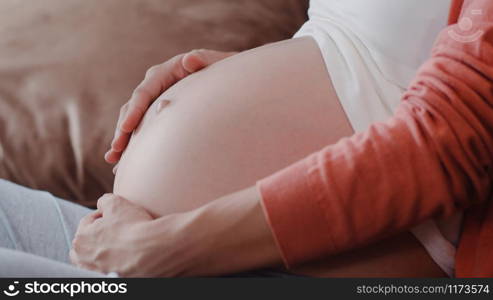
point(67, 66)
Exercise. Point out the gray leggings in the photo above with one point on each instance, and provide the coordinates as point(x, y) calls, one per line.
point(36, 231)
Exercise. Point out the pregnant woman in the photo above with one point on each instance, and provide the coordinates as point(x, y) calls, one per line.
point(224, 128)
point(237, 121)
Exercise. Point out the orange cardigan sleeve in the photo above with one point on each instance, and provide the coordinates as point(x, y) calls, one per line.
point(455, 10)
point(433, 157)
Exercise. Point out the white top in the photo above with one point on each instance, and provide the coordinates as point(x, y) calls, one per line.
point(373, 48)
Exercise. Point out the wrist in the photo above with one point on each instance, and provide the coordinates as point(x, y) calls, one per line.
point(231, 234)
point(225, 236)
point(170, 243)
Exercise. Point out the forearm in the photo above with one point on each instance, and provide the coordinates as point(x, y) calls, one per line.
point(225, 236)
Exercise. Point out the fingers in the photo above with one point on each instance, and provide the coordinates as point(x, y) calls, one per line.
point(90, 218)
point(108, 203)
point(79, 247)
point(77, 244)
point(111, 204)
point(120, 139)
point(198, 59)
point(157, 80)
point(112, 157)
point(73, 256)
point(74, 259)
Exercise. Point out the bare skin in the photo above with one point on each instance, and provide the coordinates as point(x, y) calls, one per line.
point(219, 134)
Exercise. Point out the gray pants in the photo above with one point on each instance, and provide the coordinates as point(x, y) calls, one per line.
point(36, 231)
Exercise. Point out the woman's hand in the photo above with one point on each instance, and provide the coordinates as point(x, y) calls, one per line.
point(225, 236)
point(110, 239)
point(124, 238)
point(157, 79)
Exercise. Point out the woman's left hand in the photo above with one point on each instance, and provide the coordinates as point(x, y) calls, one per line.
point(227, 235)
point(118, 237)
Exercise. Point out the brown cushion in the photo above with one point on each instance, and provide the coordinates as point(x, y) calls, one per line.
point(66, 66)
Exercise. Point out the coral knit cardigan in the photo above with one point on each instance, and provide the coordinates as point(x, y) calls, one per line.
point(432, 158)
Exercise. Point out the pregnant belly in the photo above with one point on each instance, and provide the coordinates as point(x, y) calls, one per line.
point(230, 125)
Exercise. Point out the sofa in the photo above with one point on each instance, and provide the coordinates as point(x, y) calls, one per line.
point(67, 66)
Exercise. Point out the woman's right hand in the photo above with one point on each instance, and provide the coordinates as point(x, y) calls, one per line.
point(157, 79)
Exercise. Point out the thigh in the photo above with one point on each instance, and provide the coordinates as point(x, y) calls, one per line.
point(19, 264)
point(37, 222)
point(398, 256)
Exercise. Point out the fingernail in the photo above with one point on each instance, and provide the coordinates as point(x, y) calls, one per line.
point(116, 147)
point(112, 145)
point(162, 104)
